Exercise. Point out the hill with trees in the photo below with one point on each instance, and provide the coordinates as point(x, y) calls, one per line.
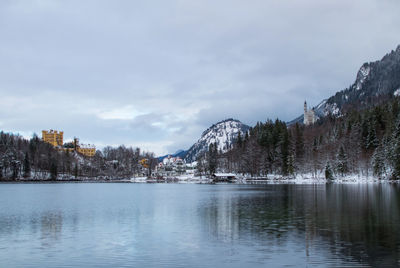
point(35, 159)
point(362, 143)
point(358, 134)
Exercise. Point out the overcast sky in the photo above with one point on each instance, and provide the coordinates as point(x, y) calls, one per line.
point(155, 74)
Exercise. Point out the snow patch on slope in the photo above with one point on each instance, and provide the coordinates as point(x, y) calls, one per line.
point(362, 75)
point(332, 109)
point(223, 134)
point(321, 105)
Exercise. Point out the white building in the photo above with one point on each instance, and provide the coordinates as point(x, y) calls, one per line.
point(171, 166)
point(309, 115)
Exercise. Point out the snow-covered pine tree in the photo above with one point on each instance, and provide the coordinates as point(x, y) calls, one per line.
point(378, 162)
point(395, 153)
point(299, 144)
point(396, 164)
point(53, 170)
point(212, 157)
point(328, 172)
point(239, 140)
point(27, 166)
point(372, 140)
point(290, 165)
point(76, 170)
point(342, 164)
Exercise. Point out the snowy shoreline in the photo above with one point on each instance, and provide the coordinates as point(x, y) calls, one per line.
point(191, 179)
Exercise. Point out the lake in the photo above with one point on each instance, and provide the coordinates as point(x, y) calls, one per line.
point(192, 225)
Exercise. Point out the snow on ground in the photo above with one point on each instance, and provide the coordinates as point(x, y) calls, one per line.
point(274, 179)
point(311, 179)
point(191, 178)
point(139, 179)
point(186, 178)
point(240, 179)
point(397, 92)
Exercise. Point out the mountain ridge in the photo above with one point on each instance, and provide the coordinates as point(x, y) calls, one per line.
point(374, 81)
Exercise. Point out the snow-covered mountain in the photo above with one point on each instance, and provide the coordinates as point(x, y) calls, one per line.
point(375, 81)
point(223, 133)
point(180, 153)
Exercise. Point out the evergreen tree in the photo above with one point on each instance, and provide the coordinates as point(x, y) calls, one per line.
point(212, 158)
point(239, 140)
point(53, 170)
point(372, 140)
point(27, 166)
point(290, 165)
point(369, 133)
point(340, 131)
point(378, 162)
point(284, 150)
point(396, 161)
point(342, 165)
point(200, 165)
point(395, 152)
point(246, 137)
point(328, 172)
point(15, 168)
point(76, 171)
point(299, 144)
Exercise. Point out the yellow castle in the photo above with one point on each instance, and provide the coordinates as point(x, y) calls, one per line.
point(85, 149)
point(55, 138)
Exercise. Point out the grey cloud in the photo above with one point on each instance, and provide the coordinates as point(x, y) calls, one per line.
point(159, 72)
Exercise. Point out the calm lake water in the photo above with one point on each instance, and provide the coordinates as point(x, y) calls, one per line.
point(186, 225)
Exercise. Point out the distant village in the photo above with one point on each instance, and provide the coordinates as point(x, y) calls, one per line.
point(169, 167)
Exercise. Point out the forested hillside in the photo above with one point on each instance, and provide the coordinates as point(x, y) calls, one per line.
point(364, 143)
point(36, 160)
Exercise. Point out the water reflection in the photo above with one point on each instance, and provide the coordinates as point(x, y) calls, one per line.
point(95, 225)
point(357, 223)
point(47, 227)
point(50, 228)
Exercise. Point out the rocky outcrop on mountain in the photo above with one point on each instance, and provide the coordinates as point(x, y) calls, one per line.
point(223, 133)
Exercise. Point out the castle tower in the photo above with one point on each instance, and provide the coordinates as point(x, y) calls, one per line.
point(53, 137)
point(309, 115)
point(305, 121)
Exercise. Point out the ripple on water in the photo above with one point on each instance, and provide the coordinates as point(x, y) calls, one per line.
point(125, 225)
